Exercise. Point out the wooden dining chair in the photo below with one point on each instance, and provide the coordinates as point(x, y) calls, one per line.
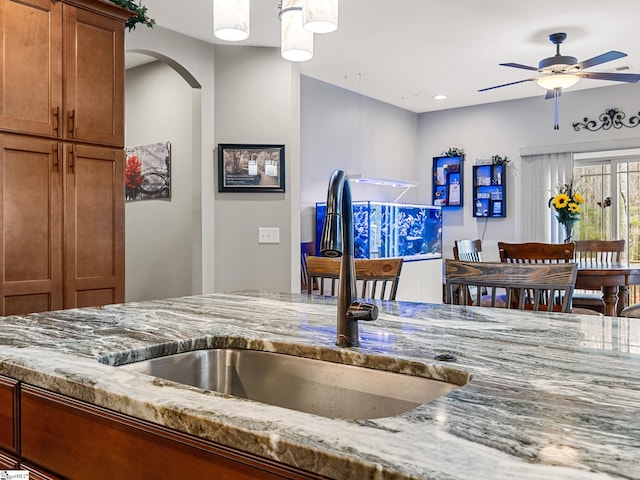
point(375, 278)
point(468, 250)
point(599, 252)
point(632, 311)
point(596, 253)
point(306, 249)
point(536, 252)
point(528, 286)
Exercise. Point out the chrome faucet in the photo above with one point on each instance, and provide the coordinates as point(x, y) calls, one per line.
point(337, 241)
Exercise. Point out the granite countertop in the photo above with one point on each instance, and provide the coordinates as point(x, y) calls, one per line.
point(551, 395)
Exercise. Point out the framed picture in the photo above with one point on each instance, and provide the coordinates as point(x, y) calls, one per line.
point(250, 168)
point(148, 172)
point(482, 207)
point(496, 206)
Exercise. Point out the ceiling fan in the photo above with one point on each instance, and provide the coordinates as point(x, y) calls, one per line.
point(562, 71)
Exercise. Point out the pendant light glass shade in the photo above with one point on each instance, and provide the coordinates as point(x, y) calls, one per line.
point(296, 42)
point(231, 19)
point(320, 16)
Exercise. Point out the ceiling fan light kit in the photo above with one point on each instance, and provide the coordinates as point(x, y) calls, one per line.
point(561, 71)
point(557, 81)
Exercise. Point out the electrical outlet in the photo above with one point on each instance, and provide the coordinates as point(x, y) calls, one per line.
point(268, 235)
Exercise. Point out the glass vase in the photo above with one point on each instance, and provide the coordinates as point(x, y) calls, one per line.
point(568, 232)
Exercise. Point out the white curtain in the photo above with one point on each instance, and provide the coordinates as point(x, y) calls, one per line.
point(541, 176)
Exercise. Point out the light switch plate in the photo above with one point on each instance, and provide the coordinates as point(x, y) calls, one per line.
point(268, 235)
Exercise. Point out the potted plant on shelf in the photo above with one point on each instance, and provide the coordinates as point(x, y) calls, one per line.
point(453, 152)
point(140, 14)
point(498, 160)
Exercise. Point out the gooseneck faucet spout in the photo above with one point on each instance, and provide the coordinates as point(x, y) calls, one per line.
point(337, 241)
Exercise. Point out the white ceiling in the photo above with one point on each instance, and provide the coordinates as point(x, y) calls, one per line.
point(403, 52)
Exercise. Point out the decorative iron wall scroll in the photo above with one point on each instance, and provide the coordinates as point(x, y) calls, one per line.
point(612, 117)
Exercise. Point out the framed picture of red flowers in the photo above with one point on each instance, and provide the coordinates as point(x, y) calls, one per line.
point(250, 168)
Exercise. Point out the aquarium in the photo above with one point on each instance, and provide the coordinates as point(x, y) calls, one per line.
point(383, 229)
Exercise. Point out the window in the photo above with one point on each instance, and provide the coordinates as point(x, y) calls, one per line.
point(611, 187)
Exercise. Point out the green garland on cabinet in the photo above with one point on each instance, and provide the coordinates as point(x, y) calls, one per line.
point(139, 10)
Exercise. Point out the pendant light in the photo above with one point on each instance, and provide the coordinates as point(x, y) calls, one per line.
point(296, 42)
point(320, 16)
point(231, 19)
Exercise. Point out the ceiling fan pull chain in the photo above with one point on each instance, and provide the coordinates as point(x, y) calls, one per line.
point(556, 123)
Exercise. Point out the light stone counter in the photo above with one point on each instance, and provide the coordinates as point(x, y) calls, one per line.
point(552, 396)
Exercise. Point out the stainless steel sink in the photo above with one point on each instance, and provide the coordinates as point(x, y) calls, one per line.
point(323, 388)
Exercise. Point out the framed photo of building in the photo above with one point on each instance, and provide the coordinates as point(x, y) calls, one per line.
point(251, 168)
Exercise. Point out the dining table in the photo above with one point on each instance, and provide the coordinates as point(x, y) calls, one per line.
point(612, 279)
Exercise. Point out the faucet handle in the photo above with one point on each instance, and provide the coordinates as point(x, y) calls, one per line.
point(362, 311)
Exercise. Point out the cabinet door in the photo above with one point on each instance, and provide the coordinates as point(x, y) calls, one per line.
point(31, 219)
point(94, 226)
point(94, 77)
point(8, 415)
point(30, 66)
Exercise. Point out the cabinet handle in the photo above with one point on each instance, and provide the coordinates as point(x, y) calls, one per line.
point(56, 120)
point(56, 158)
point(72, 123)
point(72, 160)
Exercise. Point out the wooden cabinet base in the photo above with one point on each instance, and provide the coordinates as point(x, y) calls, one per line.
point(77, 440)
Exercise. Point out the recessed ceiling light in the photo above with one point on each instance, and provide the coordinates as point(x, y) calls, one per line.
point(440, 97)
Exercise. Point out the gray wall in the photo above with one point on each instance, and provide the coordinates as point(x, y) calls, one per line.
point(253, 95)
point(159, 232)
point(257, 96)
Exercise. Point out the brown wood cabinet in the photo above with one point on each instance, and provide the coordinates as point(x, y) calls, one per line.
point(62, 69)
point(9, 429)
point(8, 463)
point(61, 154)
point(59, 437)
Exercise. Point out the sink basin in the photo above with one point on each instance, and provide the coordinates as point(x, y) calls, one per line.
point(332, 390)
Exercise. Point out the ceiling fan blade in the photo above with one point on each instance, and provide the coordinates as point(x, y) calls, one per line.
point(615, 77)
point(518, 65)
point(507, 84)
point(603, 58)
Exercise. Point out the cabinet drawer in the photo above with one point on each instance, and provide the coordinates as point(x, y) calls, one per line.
point(8, 414)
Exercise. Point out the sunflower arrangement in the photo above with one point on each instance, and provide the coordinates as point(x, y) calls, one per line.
point(567, 203)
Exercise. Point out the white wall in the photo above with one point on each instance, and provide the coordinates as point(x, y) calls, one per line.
point(159, 232)
point(343, 130)
point(504, 128)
